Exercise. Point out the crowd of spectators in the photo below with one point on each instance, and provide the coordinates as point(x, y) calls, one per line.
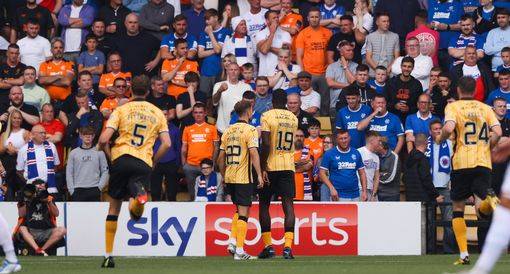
point(379, 72)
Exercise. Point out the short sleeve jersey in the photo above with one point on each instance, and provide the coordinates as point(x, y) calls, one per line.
point(473, 121)
point(282, 124)
point(138, 123)
point(237, 141)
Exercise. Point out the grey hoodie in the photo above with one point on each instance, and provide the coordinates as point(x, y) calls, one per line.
point(153, 16)
point(86, 168)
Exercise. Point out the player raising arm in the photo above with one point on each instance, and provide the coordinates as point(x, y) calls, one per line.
point(477, 130)
point(239, 145)
point(138, 124)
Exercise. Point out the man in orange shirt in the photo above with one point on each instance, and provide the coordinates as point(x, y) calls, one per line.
point(106, 82)
point(290, 22)
point(304, 165)
point(111, 103)
point(56, 75)
point(199, 141)
point(173, 70)
point(314, 142)
point(311, 47)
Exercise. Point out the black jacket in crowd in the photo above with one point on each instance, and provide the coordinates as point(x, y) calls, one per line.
point(94, 120)
point(418, 179)
point(484, 25)
point(406, 92)
point(439, 101)
point(485, 71)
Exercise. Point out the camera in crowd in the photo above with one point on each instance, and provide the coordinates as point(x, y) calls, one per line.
point(34, 192)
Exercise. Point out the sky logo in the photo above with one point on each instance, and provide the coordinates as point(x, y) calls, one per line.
point(150, 230)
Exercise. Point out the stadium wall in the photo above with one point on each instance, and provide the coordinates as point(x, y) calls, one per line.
point(201, 229)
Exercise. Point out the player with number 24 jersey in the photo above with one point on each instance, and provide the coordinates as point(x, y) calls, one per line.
point(473, 121)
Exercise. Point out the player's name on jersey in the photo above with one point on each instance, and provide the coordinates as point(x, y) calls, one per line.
point(141, 116)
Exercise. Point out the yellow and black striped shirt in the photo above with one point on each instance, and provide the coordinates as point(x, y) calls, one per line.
point(473, 121)
point(282, 124)
point(138, 123)
point(236, 141)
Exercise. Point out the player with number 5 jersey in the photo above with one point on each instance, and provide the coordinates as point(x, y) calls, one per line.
point(138, 124)
point(277, 159)
point(477, 130)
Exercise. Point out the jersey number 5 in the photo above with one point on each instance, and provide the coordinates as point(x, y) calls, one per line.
point(138, 136)
point(470, 128)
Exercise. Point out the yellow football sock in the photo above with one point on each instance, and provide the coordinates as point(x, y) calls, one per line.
point(242, 229)
point(460, 230)
point(289, 238)
point(485, 207)
point(266, 238)
point(111, 229)
point(233, 227)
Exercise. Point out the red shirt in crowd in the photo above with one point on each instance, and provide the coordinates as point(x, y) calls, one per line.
point(52, 128)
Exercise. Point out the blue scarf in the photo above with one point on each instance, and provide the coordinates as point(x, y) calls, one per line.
point(208, 189)
point(444, 159)
point(306, 177)
point(32, 165)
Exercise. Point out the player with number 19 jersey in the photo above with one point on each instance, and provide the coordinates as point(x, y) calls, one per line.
point(138, 123)
point(473, 121)
point(282, 124)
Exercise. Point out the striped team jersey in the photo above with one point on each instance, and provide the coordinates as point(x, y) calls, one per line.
point(282, 124)
point(236, 141)
point(138, 123)
point(473, 121)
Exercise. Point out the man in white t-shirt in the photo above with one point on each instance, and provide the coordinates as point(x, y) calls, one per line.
point(226, 94)
point(310, 99)
point(269, 41)
point(254, 18)
point(34, 49)
point(371, 162)
point(75, 18)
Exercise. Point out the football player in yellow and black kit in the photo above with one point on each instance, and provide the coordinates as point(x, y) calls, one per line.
point(477, 130)
point(238, 153)
point(138, 124)
point(278, 126)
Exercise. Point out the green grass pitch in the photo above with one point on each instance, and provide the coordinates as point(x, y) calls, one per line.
point(310, 265)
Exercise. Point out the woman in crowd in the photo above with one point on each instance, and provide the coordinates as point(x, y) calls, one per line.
point(231, 10)
point(285, 73)
point(12, 140)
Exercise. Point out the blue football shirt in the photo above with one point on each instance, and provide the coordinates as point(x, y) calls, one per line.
point(211, 65)
point(348, 119)
point(343, 170)
point(389, 126)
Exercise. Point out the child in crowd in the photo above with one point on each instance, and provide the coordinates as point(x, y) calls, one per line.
point(505, 56)
point(379, 83)
point(92, 60)
point(248, 72)
point(330, 15)
point(314, 142)
point(111, 103)
point(208, 186)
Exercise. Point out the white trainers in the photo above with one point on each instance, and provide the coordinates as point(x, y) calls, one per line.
point(8, 267)
point(244, 256)
point(231, 249)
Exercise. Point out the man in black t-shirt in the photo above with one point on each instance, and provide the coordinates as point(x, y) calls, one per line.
point(159, 98)
point(30, 113)
point(11, 73)
point(347, 33)
point(113, 15)
point(33, 11)
point(138, 49)
point(188, 99)
point(294, 106)
point(104, 43)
